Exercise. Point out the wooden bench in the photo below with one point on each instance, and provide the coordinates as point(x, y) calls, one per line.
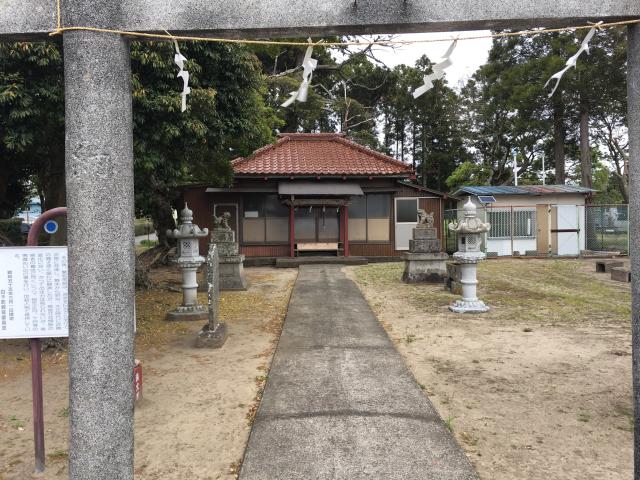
point(317, 247)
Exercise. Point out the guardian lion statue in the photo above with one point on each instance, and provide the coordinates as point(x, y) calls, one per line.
point(222, 222)
point(425, 219)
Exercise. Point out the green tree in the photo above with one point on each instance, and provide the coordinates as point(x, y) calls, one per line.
point(227, 117)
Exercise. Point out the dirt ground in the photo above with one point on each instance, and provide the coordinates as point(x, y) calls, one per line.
point(194, 420)
point(537, 388)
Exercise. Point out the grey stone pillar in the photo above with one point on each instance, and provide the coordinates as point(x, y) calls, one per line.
point(99, 175)
point(633, 85)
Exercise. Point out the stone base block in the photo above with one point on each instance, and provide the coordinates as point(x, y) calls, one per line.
point(607, 265)
point(425, 233)
point(424, 245)
point(424, 267)
point(465, 306)
point(450, 285)
point(222, 236)
point(231, 273)
point(227, 249)
point(212, 338)
point(621, 275)
point(190, 313)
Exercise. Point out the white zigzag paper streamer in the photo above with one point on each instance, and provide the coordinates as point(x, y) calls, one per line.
point(438, 71)
point(308, 66)
point(573, 61)
point(179, 60)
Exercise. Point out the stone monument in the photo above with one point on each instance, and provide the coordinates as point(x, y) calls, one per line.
point(231, 269)
point(214, 333)
point(424, 263)
point(469, 230)
point(188, 259)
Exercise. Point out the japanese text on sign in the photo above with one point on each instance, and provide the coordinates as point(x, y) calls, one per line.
point(33, 292)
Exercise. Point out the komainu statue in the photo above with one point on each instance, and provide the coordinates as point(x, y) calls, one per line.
point(222, 222)
point(425, 219)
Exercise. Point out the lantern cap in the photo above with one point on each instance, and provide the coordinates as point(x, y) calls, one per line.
point(186, 214)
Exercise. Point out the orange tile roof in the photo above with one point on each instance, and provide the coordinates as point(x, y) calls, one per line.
point(318, 154)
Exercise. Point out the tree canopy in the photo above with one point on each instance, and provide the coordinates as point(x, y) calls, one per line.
point(452, 137)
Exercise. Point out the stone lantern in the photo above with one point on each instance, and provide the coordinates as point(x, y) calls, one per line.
point(188, 260)
point(469, 231)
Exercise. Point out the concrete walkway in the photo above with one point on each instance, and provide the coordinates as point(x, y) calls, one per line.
point(339, 402)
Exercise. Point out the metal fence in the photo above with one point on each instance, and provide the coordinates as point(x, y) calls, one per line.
point(515, 230)
point(451, 238)
point(607, 228)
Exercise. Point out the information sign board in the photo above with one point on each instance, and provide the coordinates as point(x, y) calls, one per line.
point(33, 292)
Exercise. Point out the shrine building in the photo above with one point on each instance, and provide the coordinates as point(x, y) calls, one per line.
point(318, 194)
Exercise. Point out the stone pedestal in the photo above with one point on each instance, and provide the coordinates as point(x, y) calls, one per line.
point(232, 273)
point(190, 308)
point(424, 263)
point(231, 269)
point(469, 303)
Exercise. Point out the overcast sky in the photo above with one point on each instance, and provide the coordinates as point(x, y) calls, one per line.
point(467, 57)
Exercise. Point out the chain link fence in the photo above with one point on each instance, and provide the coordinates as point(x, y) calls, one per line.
point(607, 228)
point(560, 230)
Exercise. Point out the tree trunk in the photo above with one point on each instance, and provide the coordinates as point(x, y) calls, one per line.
point(413, 146)
point(559, 137)
point(162, 220)
point(623, 183)
point(585, 149)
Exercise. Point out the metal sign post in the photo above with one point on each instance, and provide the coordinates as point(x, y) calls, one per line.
point(36, 353)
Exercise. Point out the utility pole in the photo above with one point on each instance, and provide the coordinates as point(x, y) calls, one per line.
point(515, 168)
point(544, 172)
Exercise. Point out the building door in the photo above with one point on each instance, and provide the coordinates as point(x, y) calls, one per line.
point(568, 230)
point(220, 209)
point(317, 224)
point(406, 219)
point(543, 222)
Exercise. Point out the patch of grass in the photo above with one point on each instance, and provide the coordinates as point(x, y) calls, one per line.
point(16, 422)
point(64, 412)
point(562, 291)
point(449, 423)
point(584, 417)
point(620, 411)
point(58, 455)
point(539, 292)
point(469, 439)
point(410, 338)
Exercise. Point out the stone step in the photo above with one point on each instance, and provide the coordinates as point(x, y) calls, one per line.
point(318, 260)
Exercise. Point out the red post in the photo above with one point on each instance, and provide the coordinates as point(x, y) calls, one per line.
point(36, 352)
point(292, 231)
point(38, 402)
point(346, 230)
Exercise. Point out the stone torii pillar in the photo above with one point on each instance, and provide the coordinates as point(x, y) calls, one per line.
point(99, 177)
point(633, 85)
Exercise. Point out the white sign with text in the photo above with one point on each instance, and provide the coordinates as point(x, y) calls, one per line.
point(33, 292)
